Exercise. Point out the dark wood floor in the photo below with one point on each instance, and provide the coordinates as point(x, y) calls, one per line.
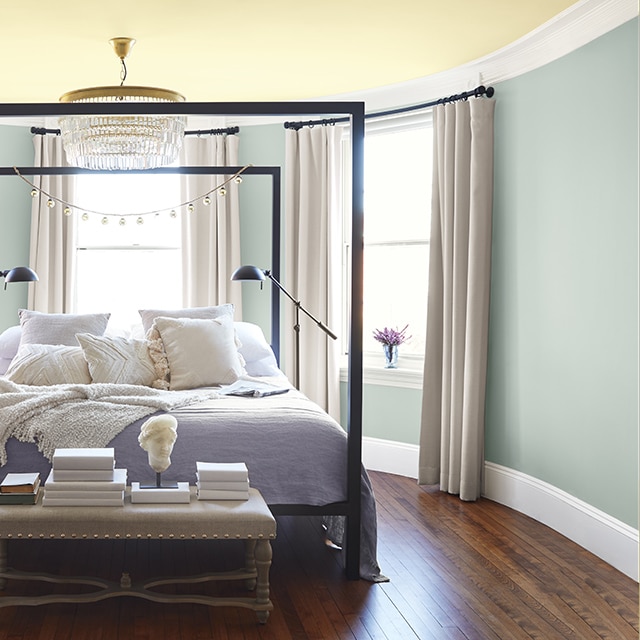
point(458, 571)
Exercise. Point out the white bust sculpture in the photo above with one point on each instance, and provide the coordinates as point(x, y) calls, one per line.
point(157, 437)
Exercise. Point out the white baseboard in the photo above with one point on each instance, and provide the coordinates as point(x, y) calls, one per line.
point(601, 534)
point(390, 457)
point(606, 537)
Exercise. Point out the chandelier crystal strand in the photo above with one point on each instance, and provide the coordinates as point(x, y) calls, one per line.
point(127, 142)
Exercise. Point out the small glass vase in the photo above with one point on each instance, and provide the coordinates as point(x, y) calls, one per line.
point(390, 356)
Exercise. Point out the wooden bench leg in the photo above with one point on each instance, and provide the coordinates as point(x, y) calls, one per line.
point(263, 555)
point(250, 562)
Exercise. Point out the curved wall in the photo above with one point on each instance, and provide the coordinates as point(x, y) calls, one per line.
point(562, 398)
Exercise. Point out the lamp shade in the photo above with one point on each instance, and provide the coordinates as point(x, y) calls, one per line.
point(248, 272)
point(20, 274)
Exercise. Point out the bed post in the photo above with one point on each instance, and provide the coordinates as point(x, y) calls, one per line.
point(354, 383)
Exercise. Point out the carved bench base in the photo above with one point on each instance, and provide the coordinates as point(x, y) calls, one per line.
point(250, 521)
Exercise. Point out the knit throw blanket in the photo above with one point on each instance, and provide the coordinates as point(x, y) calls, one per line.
point(80, 415)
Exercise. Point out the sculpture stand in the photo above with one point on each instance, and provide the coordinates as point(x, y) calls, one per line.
point(159, 484)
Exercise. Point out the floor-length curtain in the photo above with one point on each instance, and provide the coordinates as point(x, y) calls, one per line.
point(452, 430)
point(312, 259)
point(211, 233)
point(52, 243)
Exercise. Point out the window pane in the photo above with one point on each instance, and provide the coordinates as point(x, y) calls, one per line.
point(121, 281)
point(395, 293)
point(397, 185)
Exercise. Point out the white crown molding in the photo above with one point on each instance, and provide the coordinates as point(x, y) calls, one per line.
point(573, 28)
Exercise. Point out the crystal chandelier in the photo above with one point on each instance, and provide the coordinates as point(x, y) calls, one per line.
point(127, 141)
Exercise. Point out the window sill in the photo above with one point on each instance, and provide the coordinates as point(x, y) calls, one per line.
point(404, 377)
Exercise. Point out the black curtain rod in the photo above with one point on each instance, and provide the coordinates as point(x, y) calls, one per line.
point(474, 93)
point(213, 132)
point(41, 131)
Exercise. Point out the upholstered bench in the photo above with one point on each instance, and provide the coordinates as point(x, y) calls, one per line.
point(248, 520)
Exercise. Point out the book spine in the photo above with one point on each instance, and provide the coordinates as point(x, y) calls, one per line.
point(19, 498)
point(47, 501)
point(85, 463)
point(204, 494)
point(223, 486)
point(222, 476)
point(18, 488)
point(84, 495)
point(87, 475)
point(118, 482)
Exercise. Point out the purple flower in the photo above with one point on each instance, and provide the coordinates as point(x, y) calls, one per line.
point(391, 336)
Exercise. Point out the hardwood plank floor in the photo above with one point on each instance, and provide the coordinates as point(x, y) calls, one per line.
point(459, 571)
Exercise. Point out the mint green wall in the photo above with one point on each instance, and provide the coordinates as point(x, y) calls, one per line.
point(388, 413)
point(15, 219)
point(562, 398)
point(259, 146)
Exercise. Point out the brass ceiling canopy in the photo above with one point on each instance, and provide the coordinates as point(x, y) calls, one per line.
point(122, 142)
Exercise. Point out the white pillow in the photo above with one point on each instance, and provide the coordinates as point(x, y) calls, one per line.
point(4, 365)
point(203, 313)
point(48, 364)
point(59, 328)
point(257, 353)
point(117, 360)
point(9, 342)
point(200, 353)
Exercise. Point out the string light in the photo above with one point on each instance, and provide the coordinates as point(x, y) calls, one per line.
point(69, 207)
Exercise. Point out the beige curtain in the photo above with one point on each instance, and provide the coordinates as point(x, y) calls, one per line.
point(313, 259)
point(452, 430)
point(52, 244)
point(211, 234)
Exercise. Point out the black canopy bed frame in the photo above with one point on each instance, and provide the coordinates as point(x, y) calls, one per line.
point(350, 111)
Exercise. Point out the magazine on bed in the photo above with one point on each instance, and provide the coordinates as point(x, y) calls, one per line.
point(253, 389)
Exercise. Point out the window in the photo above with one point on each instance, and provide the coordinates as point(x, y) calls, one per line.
point(397, 219)
point(121, 268)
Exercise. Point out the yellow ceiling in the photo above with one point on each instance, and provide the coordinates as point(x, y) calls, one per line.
point(247, 50)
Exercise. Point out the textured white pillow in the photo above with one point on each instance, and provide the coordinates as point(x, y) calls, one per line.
point(201, 353)
point(59, 328)
point(203, 313)
point(117, 360)
point(257, 353)
point(48, 364)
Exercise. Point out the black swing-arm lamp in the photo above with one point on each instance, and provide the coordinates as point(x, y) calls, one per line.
point(249, 272)
point(18, 274)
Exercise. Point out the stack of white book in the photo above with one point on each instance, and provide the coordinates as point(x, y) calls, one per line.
point(85, 478)
point(222, 481)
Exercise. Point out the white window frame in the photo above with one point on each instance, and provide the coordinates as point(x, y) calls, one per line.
point(409, 373)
